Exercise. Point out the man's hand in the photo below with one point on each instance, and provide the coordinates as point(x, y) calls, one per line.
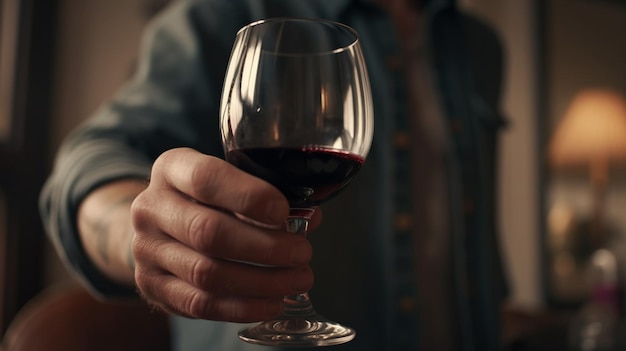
point(195, 257)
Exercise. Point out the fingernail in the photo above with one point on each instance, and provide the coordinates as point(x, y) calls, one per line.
point(302, 280)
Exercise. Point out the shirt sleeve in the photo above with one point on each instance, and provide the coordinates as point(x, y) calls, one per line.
point(171, 101)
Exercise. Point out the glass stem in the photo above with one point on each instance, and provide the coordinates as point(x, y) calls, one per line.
point(298, 306)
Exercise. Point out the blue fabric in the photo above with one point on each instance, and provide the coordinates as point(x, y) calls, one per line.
point(173, 100)
point(191, 334)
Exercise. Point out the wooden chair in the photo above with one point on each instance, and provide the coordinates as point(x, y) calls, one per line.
point(68, 318)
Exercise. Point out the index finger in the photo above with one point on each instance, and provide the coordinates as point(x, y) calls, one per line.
point(215, 182)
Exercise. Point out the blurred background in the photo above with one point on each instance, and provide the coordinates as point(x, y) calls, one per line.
point(562, 167)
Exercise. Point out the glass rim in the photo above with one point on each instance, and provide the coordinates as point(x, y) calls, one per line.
point(340, 49)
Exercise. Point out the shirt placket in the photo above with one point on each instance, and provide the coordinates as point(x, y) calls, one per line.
point(404, 333)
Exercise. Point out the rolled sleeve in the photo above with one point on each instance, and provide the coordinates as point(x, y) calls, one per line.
point(77, 173)
point(170, 102)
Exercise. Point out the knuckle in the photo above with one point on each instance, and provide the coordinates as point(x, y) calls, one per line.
point(203, 231)
point(199, 180)
point(203, 273)
point(144, 245)
point(205, 175)
point(199, 305)
point(235, 311)
point(139, 211)
point(245, 200)
point(171, 155)
point(138, 246)
point(162, 161)
point(144, 280)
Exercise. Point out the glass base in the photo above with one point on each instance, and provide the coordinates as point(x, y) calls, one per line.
point(300, 325)
point(297, 333)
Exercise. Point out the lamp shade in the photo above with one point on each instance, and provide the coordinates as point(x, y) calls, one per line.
point(593, 129)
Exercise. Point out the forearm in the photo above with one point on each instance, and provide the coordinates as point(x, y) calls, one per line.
point(106, 230)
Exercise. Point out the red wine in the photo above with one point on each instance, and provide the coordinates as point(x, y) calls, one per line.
point(307, 176)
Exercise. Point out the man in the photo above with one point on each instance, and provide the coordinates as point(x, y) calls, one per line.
point(140, 198)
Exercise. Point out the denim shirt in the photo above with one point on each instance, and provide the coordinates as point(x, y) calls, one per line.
point(173, 101)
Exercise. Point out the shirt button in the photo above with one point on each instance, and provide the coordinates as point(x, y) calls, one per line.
point(403, 221)
point(401, 140)
point(406, 305)
point(394, 62)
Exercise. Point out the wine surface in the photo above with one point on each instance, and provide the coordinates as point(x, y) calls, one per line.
point(307, 176)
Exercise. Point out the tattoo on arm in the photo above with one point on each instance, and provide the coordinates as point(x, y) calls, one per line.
point(103, 224)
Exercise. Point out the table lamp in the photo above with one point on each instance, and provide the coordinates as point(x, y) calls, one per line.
point(592, 133)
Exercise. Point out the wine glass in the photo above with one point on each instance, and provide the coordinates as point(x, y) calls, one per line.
point(296, 111)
